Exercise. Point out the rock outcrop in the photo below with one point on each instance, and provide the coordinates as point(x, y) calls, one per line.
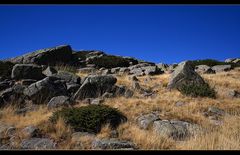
point(46, 89)
point(27, 71)
point(184, 74)
point(48, 56)
point(95, 86)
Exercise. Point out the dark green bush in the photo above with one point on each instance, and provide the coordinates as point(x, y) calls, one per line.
point(90, 118)
point(211, 62)
point(6, 69)
point(197, 90)
point(109, 61)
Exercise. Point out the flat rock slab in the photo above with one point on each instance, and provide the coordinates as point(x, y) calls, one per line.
point(48, 56)
point(178, 130)
point(27, 71)
point(37, 144)
point(111, 144)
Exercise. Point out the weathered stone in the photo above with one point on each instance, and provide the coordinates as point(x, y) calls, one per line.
point(146, 93)
point(128, 93)
point(184, 74)
point(97, 101)
point(212, 111)
point(119, 90)
point(77, 137)
point(137, 72)
point(124, 70)
point(27, 71)
point(162, 66)
point(5, 70)
point(115, 70)
point(136, 85)
point(72, 88)
point(111, 144)
point(234, 93)
point(145, 121)
point(68, 77)
point(95, 86)
point(5, 84)
point(106, 72)
point(37, 144)
point(59, 101)
point(49, 56)
point(45, 89)
point(49, 71)
point(204, 69)
point(236, 60)
point(178, 130)
point(230, 60)
point(13, 95)
point(221, 68)
point(6, 130)
point(180, 103)
point(31, 131)
point(152, 70)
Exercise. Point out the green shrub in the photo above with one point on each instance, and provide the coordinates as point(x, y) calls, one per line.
point(211, 62)
point(6, 69)
point(89, 118)
point(197, 90)
point(109, 61)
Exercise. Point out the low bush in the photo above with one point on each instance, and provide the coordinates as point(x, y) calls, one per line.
point(198, 90)
point(89, 118)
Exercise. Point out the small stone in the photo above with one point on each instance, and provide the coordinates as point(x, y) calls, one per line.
point(180, 103)
point(97, 101)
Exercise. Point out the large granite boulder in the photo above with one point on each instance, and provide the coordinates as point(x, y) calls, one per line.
point(178, 130)
point(13, 95)
point(152, 70)
point(59, 101)
point(233, 60)
point(27, 71)
point(5, 70)
point(48, 56)
point(145, 121)
point(95, 86)
point(221, 68)
point(204, 69)
point(184, 74)
point(49, 71)
point(46, 89)
point(68, 77)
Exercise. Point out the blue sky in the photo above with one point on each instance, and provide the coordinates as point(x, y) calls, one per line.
point(157, 33)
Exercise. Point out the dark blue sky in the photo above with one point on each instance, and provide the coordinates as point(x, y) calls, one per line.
point(158, 33)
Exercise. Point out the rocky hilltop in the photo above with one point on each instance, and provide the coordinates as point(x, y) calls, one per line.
point(78, 85)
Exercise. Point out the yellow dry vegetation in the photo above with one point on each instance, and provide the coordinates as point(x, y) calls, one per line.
point(226, 136)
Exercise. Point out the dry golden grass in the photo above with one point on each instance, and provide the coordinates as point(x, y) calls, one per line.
point(31, 118)
point(192, 111)
point(223, 137)
point(144, 140)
